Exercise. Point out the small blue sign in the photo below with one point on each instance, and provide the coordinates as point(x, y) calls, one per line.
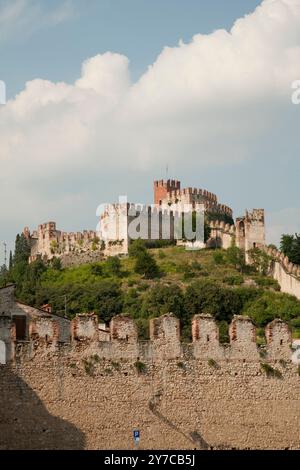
point(136, 436)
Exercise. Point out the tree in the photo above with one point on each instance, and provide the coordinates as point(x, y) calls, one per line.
point(136, 247)
point(113, 265)
point(272, 305)
point(207, 296)
point(259, 260)
point(3, 275)
point(236, 257)
point(22, 249)
point(160, 300)
point(10, 266)
point(290, 247)
point(20, 260)
point(146, 266)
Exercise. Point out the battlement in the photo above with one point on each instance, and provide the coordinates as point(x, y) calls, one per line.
point(255, 215)
point(289, 267)
point(120, 341)
point(203, 194)
point(47, 242)
point(168, 184)
point(222, 226)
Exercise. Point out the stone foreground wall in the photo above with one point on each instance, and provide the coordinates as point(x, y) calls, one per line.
point(92, 394)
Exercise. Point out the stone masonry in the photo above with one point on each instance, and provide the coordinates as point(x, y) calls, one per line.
point(91, 393)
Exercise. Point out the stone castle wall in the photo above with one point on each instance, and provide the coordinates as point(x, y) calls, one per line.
point(170, 192)
point(286, 273)
point(72, 248)
point(92, 394)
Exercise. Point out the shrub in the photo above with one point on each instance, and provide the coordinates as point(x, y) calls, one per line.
point(143, 328)
point(146, 266)
point(95, 358)
point(181, 365)
point(260, 260)
point(236, 257)
point(89, 367)
point(116, 365)
point(140, 367)
point(270, 371)
point(234, 280)
point(262, 281)
point(136, 248)
point(219, 257)
point(261, 337)
point(161, 299)
point(212, 363)
point(223, 332)
point(262, 352)
point(272, 305)
point(96, 269)
point(56, 264)
point(113, 265)
point(208, 296)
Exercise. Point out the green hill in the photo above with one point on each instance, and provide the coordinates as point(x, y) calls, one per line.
point(153, 282)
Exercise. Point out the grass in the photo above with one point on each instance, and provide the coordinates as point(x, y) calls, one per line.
point(176, 264)
point(270, 371)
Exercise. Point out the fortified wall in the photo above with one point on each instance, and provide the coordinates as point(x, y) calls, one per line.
point(247, 233)
point(92, 391)
point(47, 242)
point(286, 273)
point(162, 221)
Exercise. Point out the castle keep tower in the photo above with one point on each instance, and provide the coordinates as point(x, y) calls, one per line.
point(169, 192)
point(163, 188)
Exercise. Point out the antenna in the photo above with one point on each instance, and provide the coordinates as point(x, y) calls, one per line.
point(5, 253)
point(167, 170)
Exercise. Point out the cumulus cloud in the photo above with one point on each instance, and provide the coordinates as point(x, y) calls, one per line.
point(20, 18)
point(203, 103)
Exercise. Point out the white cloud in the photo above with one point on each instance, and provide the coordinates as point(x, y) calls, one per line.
point(204, 103)
point(282, 221)
point(20, 18)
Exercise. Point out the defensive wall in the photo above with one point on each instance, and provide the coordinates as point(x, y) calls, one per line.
point(92, 391)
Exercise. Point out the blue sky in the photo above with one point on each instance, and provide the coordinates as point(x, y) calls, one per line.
point(137, 28)
point(118, 89)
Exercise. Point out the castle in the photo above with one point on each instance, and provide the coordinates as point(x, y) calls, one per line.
point(79, 385)
point(157, 222)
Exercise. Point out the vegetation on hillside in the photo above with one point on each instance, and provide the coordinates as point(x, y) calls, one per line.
point(290, 246)
point(152, 282)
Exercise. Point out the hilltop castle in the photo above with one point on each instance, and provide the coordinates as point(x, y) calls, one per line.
point(158, 221)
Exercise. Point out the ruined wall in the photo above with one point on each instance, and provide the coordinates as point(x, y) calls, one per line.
point(180, 396)
point(254, 230)
point(48, 242)
point(222, 235)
